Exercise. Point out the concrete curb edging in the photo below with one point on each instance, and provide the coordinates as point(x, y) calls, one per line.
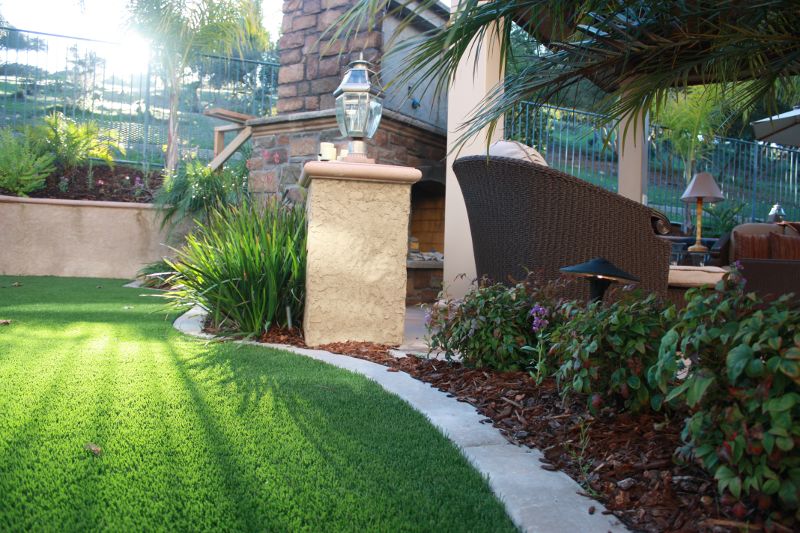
point(535, 499)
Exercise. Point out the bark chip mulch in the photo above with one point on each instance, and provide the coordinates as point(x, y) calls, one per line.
point(118, 183)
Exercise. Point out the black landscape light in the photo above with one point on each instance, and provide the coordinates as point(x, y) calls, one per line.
point(601, 272)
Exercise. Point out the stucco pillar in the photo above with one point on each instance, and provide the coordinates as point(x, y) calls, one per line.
point(358, 217)
point(478, 73)
point(633, 158)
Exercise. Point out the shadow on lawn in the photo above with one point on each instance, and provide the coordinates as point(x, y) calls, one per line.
point(335, 412)
point(383, 454)
point(239, 479)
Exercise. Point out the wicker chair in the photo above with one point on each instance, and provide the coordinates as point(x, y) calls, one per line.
point(528, 217)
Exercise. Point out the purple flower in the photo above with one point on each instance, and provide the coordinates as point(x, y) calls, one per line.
point(539, 324)
point(539, 314)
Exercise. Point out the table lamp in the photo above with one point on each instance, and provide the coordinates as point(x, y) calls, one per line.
point(701, 189)
point(601, 272)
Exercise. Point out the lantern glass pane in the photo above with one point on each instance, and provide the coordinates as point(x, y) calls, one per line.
point(356, 76)
point(352, 112)
point(374, 118)
point(340, 114)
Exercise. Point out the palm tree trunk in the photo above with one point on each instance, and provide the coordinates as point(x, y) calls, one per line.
point(171, 162)
point(688, 169)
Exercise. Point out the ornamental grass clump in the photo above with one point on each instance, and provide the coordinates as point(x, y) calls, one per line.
point(246, 267)
point(733, 359)
point(604, 350)
point(195, 190)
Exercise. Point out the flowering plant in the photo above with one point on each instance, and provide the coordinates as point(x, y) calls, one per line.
point(492, 325)
point(605, 349)
point(540, 368)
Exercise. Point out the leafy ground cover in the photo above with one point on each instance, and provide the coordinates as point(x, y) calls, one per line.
point(111, 420)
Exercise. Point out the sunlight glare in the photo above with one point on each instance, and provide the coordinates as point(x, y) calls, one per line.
point(131, 56)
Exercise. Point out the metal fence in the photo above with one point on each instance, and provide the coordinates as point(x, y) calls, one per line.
point(752, 174)
point(121, 88)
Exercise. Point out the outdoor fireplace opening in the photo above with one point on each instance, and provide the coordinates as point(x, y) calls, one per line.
point(426, 242)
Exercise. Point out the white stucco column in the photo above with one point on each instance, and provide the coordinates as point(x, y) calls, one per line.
point(357, 249)
point(633, 156)
point(478, 73)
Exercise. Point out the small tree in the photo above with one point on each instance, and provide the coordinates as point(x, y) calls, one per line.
point(691, 119)
point(182, 29)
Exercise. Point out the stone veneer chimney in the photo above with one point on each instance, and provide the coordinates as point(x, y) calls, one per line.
point(311, 69)
point(311, 65)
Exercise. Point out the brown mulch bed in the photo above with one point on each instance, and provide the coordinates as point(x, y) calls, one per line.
point(284, 336)
point(117, 184)
point(625, 461)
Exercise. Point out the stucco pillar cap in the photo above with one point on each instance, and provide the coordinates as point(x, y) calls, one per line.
point(342, 170)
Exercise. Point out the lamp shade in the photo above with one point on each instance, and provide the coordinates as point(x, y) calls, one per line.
point(599, 268)
point(703, 186)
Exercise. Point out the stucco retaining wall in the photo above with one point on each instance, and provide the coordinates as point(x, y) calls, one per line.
point(48, 237)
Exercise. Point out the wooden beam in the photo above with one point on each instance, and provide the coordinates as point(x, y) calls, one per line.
point(228, 151)
point(228, 115)
point(219, 136)
point(219, 141)
point(229, 127)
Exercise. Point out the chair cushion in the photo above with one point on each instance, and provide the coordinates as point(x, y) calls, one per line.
point(689, 276)
point(755, 246)
point(516, 150)
point(785, 247)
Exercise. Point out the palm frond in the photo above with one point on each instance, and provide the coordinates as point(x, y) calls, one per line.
point(638, 52)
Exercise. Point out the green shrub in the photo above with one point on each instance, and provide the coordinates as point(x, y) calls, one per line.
point(73, 143)
point(491, 326)
point(23, 166)
point(246, 265)
point(723, 218)
point(742, 356)
point(605, 349)
point(194, 191)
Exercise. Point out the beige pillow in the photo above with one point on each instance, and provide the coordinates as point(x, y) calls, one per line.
point(516, 150)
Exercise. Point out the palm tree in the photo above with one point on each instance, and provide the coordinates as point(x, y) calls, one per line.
point(182, 29)
point(691, 119)
point(636, 51)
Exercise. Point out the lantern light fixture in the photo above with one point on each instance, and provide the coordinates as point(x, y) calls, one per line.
point(359, 106)
point(776, 214)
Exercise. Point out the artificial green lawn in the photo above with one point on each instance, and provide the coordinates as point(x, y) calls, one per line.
point(198, 436)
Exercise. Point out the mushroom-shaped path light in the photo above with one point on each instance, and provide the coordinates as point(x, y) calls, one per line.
point(601, 272)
